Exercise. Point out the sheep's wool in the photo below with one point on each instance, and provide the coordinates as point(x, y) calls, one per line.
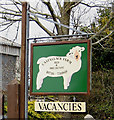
point(56, 66)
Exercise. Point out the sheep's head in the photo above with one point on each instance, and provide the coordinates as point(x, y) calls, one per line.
point(75, 52)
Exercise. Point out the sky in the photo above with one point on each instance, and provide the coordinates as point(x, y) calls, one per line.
point(36, 31)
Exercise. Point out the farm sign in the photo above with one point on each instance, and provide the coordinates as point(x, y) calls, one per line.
point(60, 68)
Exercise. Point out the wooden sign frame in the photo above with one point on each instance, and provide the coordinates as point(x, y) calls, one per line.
point(56, 44)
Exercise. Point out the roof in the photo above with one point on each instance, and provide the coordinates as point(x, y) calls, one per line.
point(5, 41)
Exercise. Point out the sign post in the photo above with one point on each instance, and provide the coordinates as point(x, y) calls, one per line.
point(23, 59)
point(60, 68)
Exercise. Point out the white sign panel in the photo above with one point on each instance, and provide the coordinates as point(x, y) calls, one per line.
point(60, 106)
point(56, 66)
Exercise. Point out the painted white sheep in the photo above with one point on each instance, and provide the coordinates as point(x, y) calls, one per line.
point(56, 66)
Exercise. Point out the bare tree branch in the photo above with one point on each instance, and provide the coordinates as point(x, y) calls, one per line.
point(4, 24)
point(19, 3)
point(4, 8)
point(35, 11)
point(16, 5)
point(6, 27)
point(9, 13)
point(52, 14)
point(91, 6)
point(102, 38)
point(101, 45)
point(43, 14)
point(59, 5)
point(44, 28)
point(74, 5)
point(6, 4)
point(104, 27)
point(16, 32)
point(11, 19)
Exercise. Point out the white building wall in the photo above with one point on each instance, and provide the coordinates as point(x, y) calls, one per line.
point(9, 62)
point(0, 72)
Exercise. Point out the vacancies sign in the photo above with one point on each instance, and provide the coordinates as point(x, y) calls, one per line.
point(60, 68)
point(60, 106)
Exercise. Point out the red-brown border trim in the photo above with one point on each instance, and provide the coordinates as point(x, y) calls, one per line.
point(60, 43)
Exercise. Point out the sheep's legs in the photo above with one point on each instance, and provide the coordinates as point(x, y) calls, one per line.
point(66, 81)
point(39, 80)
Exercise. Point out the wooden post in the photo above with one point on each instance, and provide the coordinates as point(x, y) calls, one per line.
point(13, 101)
point(0, 104)
point(3, 107)
point(23, 58)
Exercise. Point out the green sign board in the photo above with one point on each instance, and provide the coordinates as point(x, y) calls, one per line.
point(60, 68)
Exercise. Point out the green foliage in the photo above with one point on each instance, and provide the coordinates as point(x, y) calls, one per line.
point(37, 115)
point(5, 109)
point(104, 15)
point(101, 98)
point(41, 115)
point(100, 101)
point(102, 59)
point(31, 112)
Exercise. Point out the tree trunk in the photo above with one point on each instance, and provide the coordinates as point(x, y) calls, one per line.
point(65, 19)
point(64, 98)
